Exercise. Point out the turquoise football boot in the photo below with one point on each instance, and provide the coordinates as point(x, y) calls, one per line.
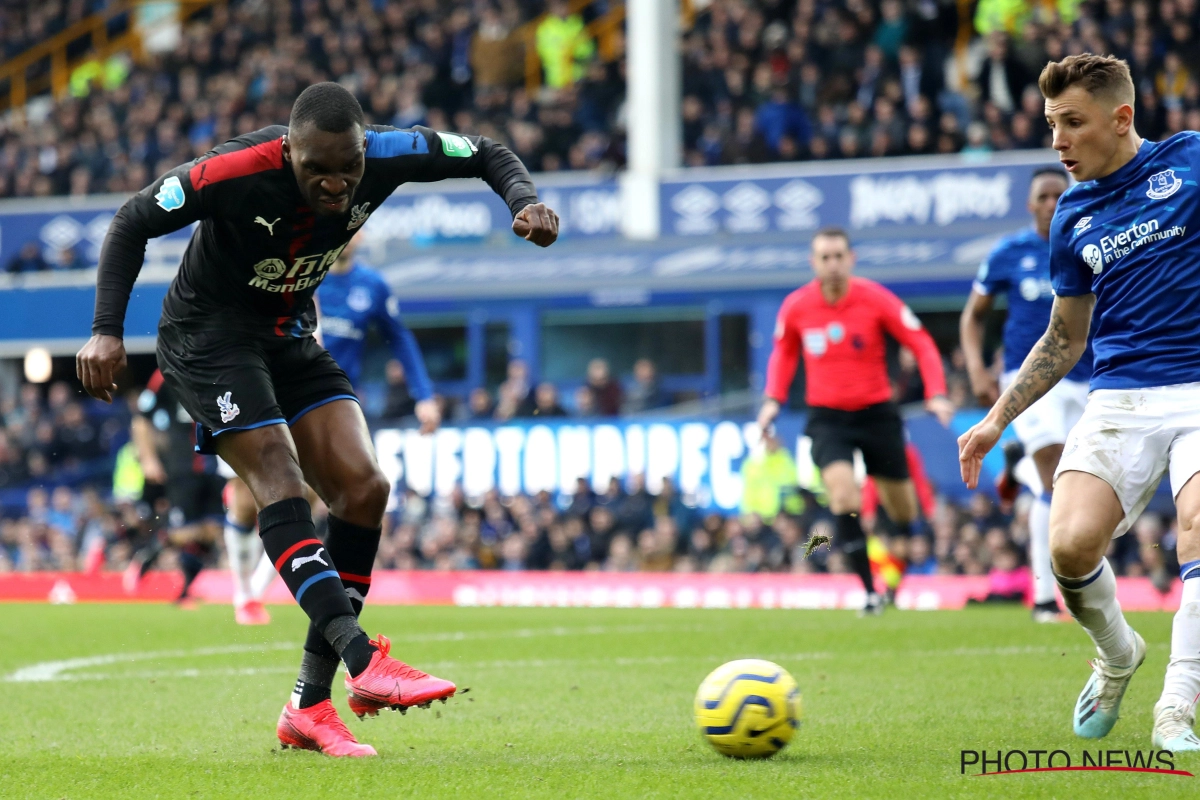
point(1099, 704)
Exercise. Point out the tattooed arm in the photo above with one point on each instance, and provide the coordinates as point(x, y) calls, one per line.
point(1051, 358)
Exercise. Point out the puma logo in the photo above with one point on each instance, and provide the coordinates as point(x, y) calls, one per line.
point(270, 226)
point(300, 561)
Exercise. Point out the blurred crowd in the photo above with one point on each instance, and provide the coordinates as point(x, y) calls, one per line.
point(763, 80)
point(59, 511)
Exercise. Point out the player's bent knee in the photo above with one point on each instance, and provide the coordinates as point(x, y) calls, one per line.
point(363, 500)
point(1076, 549)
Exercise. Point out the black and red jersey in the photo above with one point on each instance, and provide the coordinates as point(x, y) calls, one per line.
point(259, 252)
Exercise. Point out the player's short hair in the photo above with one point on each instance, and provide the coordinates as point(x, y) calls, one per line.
point(329, 106)
point(1056, 172)
point(1103, 77)
point(834, 232)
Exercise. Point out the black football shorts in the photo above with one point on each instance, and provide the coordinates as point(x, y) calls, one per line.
point(236, 381)
point(876, 430)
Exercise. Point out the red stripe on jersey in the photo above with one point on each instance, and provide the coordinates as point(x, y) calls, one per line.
point(302, 543)
point(156, 381)
point(237, 164)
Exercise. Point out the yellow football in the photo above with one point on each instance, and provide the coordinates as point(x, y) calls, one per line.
point(748, 708)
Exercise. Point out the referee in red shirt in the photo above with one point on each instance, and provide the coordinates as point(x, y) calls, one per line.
point(838, 322)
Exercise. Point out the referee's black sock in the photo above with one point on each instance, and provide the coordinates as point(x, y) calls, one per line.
point(353, 549)
point(853, 542)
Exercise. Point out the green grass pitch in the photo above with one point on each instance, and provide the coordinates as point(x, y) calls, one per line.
point(162, 703)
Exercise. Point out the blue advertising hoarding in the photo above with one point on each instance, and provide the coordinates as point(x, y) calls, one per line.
point(884, 196)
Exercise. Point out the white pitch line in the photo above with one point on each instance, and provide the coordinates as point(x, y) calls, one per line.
point(54, 670)
point(58, 670)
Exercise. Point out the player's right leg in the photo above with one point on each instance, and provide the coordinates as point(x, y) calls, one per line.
point(845, 501)
point(1083, 516)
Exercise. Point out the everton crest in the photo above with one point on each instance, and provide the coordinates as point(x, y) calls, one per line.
point(1163, 185)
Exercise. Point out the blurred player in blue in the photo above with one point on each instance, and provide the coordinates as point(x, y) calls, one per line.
point(1124, 260)
point(352, 298)
point(1019, 267)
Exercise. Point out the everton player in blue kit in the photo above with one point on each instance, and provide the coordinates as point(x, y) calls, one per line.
point(1124, 261)
point(352, 298)
point(1019, 267)
point(275, 209)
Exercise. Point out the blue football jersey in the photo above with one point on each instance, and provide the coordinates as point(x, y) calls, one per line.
point(349, 304)
point(1125, 237)
point(1019, 267)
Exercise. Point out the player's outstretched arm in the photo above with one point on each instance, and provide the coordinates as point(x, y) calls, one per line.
point(1051, 358)
point(970, 332)
point(422, 154)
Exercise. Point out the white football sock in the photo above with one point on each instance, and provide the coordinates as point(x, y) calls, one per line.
point(264, 574)
point(1092, 601)
point(236, 540)
point(1039, 550)
point(1182, 683)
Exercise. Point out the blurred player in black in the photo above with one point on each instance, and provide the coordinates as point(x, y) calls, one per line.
point(165, 438)
point(276, 207)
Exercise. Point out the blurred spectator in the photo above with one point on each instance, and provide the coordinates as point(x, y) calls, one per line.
point(28, 259)
point(606, 392)
point(546, 403)
point(644, 395)
point(562, 45)
point(769, 482)
point(479, 404)
point(1002, 78)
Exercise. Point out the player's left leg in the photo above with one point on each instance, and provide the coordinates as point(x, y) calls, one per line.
point(338, 460)
point(1175, 712)
point(1045, 603)
point(245, 552)
point(881, 438)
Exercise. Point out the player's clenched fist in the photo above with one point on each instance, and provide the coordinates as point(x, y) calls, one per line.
point(973, 446)
point(536, 223)
point(98, 364)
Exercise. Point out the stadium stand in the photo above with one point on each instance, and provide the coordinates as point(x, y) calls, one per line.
point(57, 460)
point(897, 78)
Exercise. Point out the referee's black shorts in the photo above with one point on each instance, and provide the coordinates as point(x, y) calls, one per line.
point(876, 430)
point(234, 381)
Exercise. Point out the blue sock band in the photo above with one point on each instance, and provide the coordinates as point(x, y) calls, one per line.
point(1079, 583)
point(1189, 570)
point(1045, 497)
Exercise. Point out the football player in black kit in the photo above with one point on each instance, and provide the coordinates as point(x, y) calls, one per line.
point(235, 345)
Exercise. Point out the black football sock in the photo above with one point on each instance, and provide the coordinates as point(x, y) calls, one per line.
point(853, 542)
point(301, 559)
point(315, 681)
point(353, 549)
point(351, 643)
point(191, 565)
